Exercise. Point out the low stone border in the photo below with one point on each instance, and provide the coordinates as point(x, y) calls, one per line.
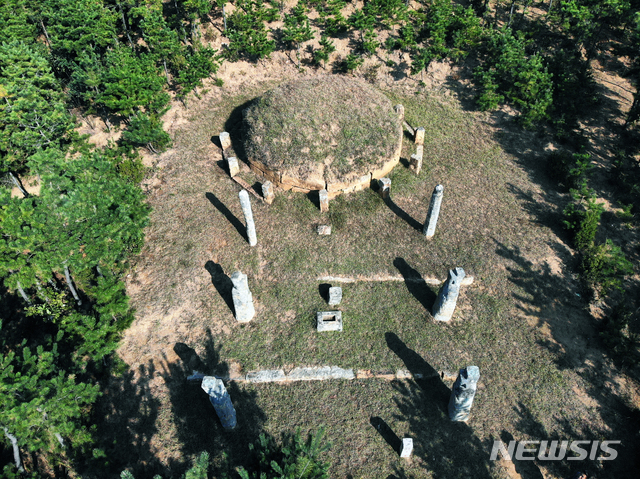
point(323, 373)
point(382, 278)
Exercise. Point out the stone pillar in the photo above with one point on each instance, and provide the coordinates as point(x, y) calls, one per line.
point(445, 304)
point(419, 136)
point(234, 167)
point(462, 393)
point(225, 140)
point(434, 211)
point(221, 401)
point(267, 192)
point(324, 201)
point(416, 163)
point(407, 447)
point(335, 295)
point(242, 298)
point(400, 111)
point(385, 187)
point(248, 216)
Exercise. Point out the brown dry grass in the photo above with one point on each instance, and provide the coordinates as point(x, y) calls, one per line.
point(520, 322)
point(544, 374)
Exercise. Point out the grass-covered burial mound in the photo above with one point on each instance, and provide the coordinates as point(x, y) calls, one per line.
point(327, 132)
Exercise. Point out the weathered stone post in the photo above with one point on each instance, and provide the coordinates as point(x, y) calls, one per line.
point(434, 211)
point(335, 295)
point(324, 201)
point(407, 447)
point(242, 298)
point(399, 109)
point(234, 167)
point(416, 159)
point(267, 192)
point(445, 304)
point(419, 136)
point(225, 140)
point(248, 216)
point(221, 401)
point(385, 187)
point(463, 392)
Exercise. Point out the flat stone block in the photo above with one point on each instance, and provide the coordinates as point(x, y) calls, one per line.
point(324, 229)
point(234, 167)
point(335, 295)
point(329, 321)
point(225, 140)
point(267, 376)
point(403, 374)
point(407, 447)
point(419, 136)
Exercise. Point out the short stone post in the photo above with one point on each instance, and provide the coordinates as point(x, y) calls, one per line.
point(242, 298)
point(225, 140)
point(420, 151)
point(434, 211)
point(335, 295)
point(416, 160)
point(385, 187)
point(407, 447)
point(324, 201)
point(418, 138)
point(248, 216)
point(267, 192)
point(462, 393)
point(399, 109)
point(221, 401)
point(234, 167)
point(445, 304)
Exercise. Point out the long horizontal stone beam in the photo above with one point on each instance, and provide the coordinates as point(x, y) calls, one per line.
point(382, 278)
point(323, 373)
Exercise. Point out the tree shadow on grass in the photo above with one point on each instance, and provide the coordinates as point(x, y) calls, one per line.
point(197, 424)
point(449, 449)
point(548, 213)
point(125, 418)
point(530, 429)
point(552, 297)
point(415, 284)
point(221, 282)
point(238, 225)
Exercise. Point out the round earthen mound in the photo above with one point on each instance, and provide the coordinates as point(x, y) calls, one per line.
point(326, 132)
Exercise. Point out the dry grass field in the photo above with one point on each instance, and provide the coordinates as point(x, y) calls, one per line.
point(522, 321)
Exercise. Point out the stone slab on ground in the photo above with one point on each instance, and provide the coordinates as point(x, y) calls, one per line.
point(267, 376)
point(320, 373)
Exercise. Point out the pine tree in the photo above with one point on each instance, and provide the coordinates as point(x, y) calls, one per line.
point(131, 83)
point(33, 114)
point(160, 39)
point(297, 29)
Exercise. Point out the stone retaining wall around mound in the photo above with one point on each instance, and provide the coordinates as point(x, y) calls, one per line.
point(289, 183)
